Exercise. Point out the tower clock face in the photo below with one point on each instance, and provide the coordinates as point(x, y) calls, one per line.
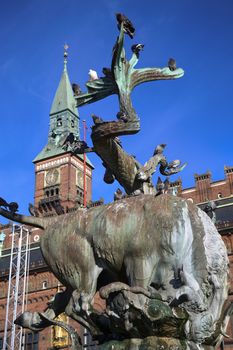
point(51, 177)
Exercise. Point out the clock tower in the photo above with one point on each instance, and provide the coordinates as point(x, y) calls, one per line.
point(59, 174)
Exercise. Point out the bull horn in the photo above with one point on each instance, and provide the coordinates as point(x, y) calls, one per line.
point(27, 220)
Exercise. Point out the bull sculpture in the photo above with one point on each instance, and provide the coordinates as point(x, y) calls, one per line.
point(163, 246)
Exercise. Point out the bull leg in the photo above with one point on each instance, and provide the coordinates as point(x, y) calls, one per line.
point(191, 289)
point(77, 312)
point(34, 320)
point(79, 306)
point(140, 271)
point(86, 292)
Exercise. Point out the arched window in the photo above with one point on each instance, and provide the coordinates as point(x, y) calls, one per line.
point(59, 121)
point(72, 123)
point(44, 284)
point(190, 199)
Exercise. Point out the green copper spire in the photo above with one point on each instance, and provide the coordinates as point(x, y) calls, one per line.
point(64, 117)
point(63, 114)
point(64, 98)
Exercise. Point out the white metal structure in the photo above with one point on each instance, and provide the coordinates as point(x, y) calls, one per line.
point(17, 287)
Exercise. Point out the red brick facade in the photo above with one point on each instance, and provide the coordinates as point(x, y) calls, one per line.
point(205, 189)
point(61, 178)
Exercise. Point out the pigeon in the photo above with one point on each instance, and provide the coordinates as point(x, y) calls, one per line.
point(118, 194)
point(13, 207)
point(76, 89)
point(172, 64)
point(159, 149)
point(93, 75)
point(127, 24)
point(137, 48)
point(121, 116)
point(210, 210)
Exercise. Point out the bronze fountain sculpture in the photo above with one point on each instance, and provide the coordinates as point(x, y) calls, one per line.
point(166, 265)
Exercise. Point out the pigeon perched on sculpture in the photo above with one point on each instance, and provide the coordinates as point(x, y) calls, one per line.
point(136, 48)
point(76, 89)
point(127, 25)
point(172, 64)
point(12, 206)
point(93, 75)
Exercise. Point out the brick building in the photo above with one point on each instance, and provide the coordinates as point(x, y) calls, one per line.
point(59, 188)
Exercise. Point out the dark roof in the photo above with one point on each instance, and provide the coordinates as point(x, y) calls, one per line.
point(36, 261)
point(223, 211)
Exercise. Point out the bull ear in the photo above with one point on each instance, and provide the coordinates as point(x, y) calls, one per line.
point(27, 220)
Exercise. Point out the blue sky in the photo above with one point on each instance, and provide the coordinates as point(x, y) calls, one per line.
point(192, 115)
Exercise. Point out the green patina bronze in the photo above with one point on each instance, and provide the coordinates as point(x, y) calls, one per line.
point(123, 78)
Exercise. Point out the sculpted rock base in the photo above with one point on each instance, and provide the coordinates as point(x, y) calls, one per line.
point(152, 343)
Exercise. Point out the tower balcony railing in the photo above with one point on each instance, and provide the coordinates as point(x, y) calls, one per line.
point(50, 199)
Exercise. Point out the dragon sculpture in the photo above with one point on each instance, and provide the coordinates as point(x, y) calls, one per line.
point(121, 79)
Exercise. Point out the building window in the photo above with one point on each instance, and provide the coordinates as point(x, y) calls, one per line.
point(1, 343)
point(72, 123)
point(51, 192)
point(31, 341)
point(59, 122)
point(44, 284)
point(220, 195)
